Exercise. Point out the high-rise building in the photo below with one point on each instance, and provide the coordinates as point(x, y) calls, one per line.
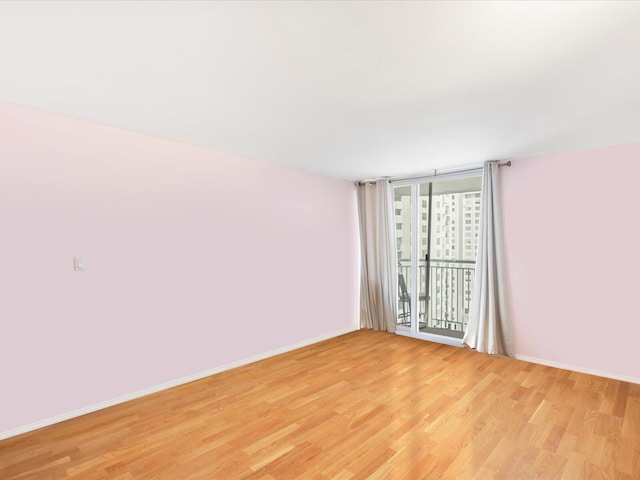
point(455, 219)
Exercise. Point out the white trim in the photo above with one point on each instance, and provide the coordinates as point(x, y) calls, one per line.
point(414, 260)
point(457, 342)
point(173, 383)
point(430, 337)
point(573, 368)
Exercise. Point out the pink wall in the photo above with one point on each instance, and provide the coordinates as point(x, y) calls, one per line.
point(572, 230)
point(195, 259)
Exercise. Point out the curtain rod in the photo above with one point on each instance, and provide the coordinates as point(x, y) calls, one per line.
point(435, 173)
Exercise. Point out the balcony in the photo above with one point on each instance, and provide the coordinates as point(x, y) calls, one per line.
point(445, 311)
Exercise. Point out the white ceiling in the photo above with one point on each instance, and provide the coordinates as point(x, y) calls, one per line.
point(353, 89)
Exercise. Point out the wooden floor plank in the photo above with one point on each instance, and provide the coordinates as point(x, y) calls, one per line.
point(363, 405)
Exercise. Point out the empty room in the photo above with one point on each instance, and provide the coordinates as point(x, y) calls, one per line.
point(336, 240)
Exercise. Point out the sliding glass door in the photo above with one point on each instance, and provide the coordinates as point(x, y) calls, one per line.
point(436, 237)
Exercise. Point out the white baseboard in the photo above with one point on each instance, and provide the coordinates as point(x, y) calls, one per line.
point(174, 383)
point(573, 368)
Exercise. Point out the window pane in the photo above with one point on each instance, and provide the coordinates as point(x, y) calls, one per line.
point(453, 248)
point(402, 200)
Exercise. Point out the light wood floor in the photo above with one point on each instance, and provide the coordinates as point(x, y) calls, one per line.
point(363, 405)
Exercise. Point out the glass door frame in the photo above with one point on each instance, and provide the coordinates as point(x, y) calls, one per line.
point(414, 288)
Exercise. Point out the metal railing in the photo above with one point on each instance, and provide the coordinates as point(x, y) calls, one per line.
point(447, 305)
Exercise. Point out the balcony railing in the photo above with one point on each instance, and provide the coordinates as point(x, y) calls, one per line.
point(446, 309)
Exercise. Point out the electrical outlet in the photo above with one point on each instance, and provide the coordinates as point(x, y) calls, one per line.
point(79, 264)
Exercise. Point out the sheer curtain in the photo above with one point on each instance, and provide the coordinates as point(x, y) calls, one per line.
point(489, 328)
point(377, 246)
